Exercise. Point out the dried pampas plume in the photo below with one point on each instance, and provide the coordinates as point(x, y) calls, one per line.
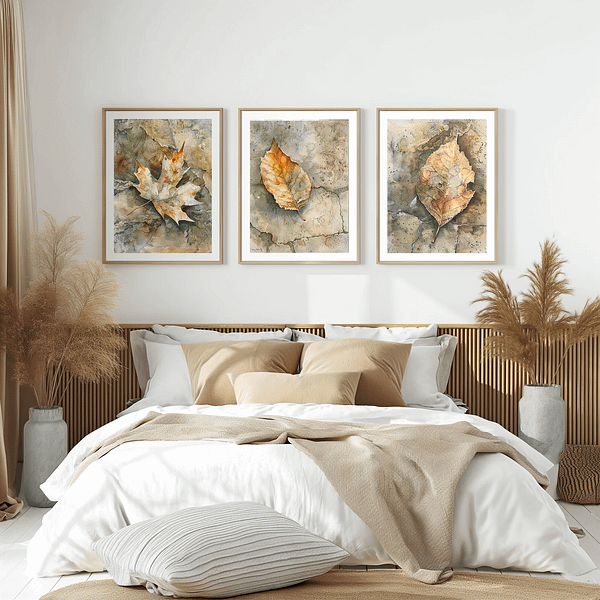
point(64, 323)
point(522, 327)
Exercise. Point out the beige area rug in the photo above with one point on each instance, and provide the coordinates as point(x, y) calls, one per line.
point(373, 585)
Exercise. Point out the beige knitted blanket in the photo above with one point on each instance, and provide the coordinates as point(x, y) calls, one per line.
point(399, 479)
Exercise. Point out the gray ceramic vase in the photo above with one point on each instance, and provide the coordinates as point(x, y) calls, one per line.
point(44, 448)
point(542, 419)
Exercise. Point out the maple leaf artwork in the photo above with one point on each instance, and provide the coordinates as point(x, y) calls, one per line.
point(443, 184)
point(285, 179)
point(167, 198)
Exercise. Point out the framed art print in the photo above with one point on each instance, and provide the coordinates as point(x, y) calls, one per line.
point(299, 186)
point(436, 185)
point(162, 185)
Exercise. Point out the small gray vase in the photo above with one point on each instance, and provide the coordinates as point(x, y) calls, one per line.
point(542, 419)
point(44, 448)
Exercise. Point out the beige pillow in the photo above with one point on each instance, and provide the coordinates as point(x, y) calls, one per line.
point(381, 365)
point(306, 388)
point(209, 362)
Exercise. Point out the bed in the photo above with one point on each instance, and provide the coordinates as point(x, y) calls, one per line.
point(357, 376)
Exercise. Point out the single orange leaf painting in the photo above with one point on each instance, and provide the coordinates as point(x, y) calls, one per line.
point(443, 183)
point(286, 180)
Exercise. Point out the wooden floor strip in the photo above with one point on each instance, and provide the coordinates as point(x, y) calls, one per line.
point(22, 527)
point(5, 525)
point(594, 509)
point(589, 542)
point(70, 579)
point(36, 588)
point(586, 519)
point(13, 545)
point(15, 581)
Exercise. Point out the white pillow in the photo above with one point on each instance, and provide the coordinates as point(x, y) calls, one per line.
point(175, 334)
point(138, 352)
point(419, 381)
point(384, 334)
point(191, 336)
point(428, 368)
point(216, 551)
point(169, 378)
point(448, 347)
point(419, 388)
point(303, 336)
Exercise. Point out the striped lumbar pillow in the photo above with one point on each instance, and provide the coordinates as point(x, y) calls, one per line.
point(216, 551)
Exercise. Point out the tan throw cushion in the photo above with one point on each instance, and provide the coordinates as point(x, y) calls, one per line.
point(306, 388)
point(381, 365)
point(209, 362)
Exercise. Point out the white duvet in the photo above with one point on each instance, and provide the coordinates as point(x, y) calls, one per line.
point(503, 518)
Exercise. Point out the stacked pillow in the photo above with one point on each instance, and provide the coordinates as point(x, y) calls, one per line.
point(176, 334)
point(428, 369)
point(210, 363)
point(364, 365)
point(381, 366)
point(163, 373)
point(191, 336)
point(383, 334)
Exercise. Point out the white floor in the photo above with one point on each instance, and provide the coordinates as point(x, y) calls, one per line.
point(15, 534)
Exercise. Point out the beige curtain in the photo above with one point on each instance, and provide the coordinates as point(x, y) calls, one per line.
point(17, 222)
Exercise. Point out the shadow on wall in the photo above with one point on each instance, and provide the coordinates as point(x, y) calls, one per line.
point(489, 387)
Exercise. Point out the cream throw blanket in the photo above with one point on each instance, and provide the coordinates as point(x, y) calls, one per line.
point(399, 479)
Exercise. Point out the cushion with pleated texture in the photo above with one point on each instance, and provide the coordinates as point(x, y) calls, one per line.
point(216, 551)
point(579, 474)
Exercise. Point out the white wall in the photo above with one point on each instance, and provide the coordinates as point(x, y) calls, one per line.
point(538, 61)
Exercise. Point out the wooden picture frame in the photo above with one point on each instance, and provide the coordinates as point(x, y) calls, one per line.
point(299, 186)
point(437, 185)
point(162, 185)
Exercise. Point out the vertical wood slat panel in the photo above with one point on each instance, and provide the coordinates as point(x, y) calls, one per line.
point(87, 406)
point(490, 388)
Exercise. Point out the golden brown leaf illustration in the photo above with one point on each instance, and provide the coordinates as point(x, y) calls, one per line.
point(167, 198)
point(285, 179)
point(443, 184)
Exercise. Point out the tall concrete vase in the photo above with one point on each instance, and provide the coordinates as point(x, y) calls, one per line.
point(542, 419)
point(44, 448)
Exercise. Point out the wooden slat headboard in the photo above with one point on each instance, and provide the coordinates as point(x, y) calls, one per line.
point(490, 388)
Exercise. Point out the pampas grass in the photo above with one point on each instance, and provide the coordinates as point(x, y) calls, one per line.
point(64, 323)
point(524, 326)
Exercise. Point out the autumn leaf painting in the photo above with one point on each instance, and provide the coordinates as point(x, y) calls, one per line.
point(164, 174)
point(437, 193)
point(299, 185)
point(167, 198)
point(443, 184)
point(285, 179)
